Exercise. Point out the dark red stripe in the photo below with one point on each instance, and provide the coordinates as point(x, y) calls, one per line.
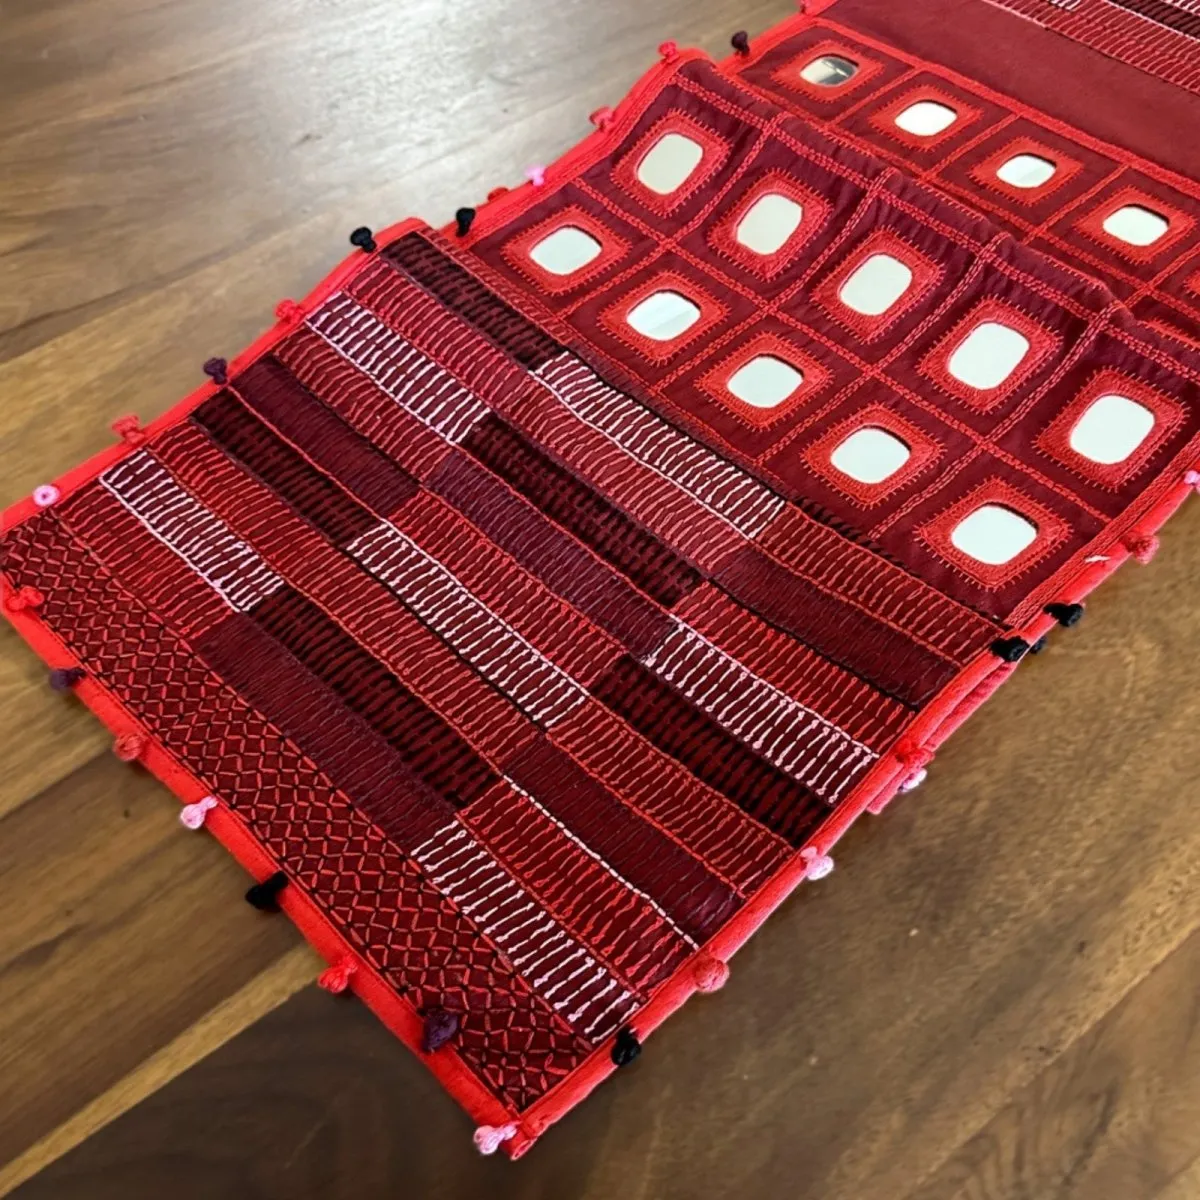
point(263, 453)
point(656, 570)
point(342, 745)
point(677, 728)
point(875, 652)
point(462, 293)
point(1174, 18)
point(639, 852)
point(555, 557)
point(430, 747)
point(280, 398)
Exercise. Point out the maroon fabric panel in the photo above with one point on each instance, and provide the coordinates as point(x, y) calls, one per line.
point(263, 453)
point(280, 398)
point(687, 735)
point(431, 748)
point(357, 760)
point(658, 571)
point(874, 652)
point(554, 556)
point(1106, 98)
point(462, 293)
point(696, 900)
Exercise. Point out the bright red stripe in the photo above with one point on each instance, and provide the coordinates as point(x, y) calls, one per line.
point(566, 637)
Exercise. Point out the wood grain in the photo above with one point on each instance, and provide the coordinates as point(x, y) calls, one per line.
point(994, 997)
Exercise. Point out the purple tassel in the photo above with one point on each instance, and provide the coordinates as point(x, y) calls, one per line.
point(217, 369)
point(63, 679)
point(440, 1027)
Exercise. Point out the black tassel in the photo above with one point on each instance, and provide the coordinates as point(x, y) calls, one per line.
point(464, 218)
point(1065, 614)
point(1011, 650)
point(741, 42)
point(626, 1048)
point(364, 239)
point(262, 895)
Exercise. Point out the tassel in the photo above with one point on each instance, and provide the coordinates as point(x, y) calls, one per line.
point(1192, 479)
point(129, 429)
point(63, 679)
point(819, 865)
point(741, 43)
point(263, 895)
point(709, 972)
point(1143, 547)
point(23, 598)
point(191, 816)
point(602, 118)
point(626, 1047)
point(440, 1027)
point(289, 312)
point(45, 495)
point(217, 369)
point(1065, 614)
point(497, 192)
point(668, 51)
point(462, 220)
point(336, 978)
point(364, 239)
point(1010, 650)
point(128, 747)
point(489, 1138)
point(536, 175)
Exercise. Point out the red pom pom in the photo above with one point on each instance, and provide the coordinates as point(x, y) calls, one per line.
point(129, 429)
point(1142, 548)
point(497, 192)
point(289, 312)
point(602, 118)
point(128, 747)
point(710, 973)
point(669, 51)
point(23, 598)
point(336, 979)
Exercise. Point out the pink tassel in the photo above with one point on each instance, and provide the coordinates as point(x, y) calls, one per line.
point(914, 780)
point(536, 175)
point(1192, 479)
point(24, 598)
point(710, 973)
point(489, 1138)
point(819, 865)
point(45, 495)
point(128, 747)
point(191, 816)
point(336, 979)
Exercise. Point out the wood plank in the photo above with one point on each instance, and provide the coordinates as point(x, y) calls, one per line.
point(1115, 1117)
point(267, 990)
point(121, 929)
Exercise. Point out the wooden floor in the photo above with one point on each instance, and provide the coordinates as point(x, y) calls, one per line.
point(994, 997)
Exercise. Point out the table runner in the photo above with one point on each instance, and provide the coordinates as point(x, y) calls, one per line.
point(527, 665)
